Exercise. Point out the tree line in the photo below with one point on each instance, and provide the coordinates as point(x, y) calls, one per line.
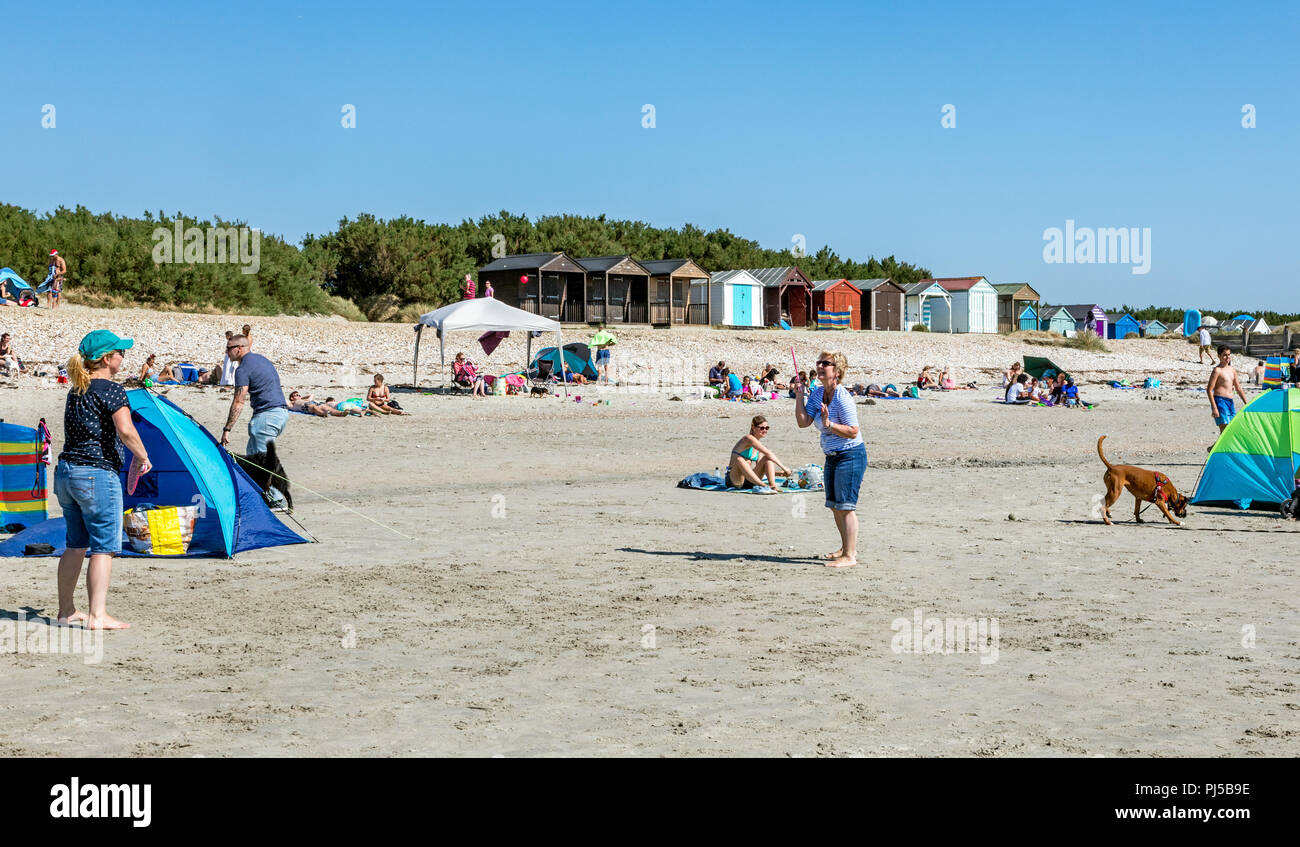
point(115, 259)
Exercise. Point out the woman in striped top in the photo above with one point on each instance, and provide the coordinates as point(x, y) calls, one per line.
point(830, 406)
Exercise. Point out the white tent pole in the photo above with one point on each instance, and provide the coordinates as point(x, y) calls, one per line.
point(442, 354)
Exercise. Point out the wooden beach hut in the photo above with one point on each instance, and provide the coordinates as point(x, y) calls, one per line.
point(787, 295)
point(919, 301)
point(974, 303)
point(1122, 327)
point(1028, 319)
point(882, 304)
point(618, 290)
point(1013, 297)
point(734, 298)
point(1056, 319)
point(555, 285)
point(1091, 317)
point(1152, 328)
point(838, 295)
point(670, 289)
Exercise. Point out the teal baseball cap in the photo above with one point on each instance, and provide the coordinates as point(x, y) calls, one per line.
point(100, 342)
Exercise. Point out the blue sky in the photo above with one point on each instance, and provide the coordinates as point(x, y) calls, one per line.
point(772, 119)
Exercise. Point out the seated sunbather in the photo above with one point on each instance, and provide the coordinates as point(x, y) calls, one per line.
point(320, 408)
point(1010, 374)
point(948, 381)
point(381, 399)
point(1019, 391)
point(750, 461)
point(925, 380)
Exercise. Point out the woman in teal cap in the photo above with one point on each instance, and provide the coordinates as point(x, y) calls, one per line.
point(87, 479)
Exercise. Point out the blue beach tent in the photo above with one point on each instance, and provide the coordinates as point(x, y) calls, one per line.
point(577, 359)
point(189, 468)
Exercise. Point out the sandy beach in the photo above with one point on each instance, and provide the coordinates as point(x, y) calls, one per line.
point(558, 595)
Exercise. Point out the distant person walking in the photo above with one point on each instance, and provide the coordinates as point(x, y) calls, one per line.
point(469, 287)
point(87, 479)
point(58, 272)
point(830, 407)
point(1223, 382)
point(256, 380)
point(1203, 336)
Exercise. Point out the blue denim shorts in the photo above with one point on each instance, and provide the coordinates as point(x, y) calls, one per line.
point(843, 477)
point(602, 357)
point(266, 426)
point(91, 499)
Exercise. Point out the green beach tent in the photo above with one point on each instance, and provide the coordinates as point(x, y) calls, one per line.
point(1257, 455)
point(1036, 366)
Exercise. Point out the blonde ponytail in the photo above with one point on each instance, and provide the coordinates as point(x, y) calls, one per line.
point(79, 373)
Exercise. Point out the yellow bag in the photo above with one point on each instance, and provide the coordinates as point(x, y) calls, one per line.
point(162, 530)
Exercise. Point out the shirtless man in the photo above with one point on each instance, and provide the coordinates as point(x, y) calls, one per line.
point(1223, 382)
point(58, 270)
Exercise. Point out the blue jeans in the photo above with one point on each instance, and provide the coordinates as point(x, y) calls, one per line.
point(91, 499)
point(843, 477)
point(265, 426)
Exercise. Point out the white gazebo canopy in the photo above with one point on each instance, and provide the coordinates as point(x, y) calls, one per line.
point(482, 314)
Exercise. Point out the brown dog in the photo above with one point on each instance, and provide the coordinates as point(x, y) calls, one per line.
point(1145, 486)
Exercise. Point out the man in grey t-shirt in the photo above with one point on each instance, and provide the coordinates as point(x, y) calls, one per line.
point(257, 381)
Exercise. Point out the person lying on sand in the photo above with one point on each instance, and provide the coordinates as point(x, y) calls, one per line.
point(750, 460)
point(381, 399)
point(320, 408)
point(874, 390)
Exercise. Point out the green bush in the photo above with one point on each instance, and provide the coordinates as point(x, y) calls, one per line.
point(1129, 335)
point(1088, 340)
point(920, 328)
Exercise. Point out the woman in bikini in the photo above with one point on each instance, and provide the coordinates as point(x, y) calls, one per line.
point(750, 461)
point(320, 408)
point(381, 400)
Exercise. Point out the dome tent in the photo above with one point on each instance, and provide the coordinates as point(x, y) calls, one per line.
point(189, 468)
point(1256, 456)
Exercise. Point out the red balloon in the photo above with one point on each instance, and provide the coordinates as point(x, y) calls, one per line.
point(523, 280)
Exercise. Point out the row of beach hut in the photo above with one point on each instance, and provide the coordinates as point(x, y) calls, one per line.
point(665, 292)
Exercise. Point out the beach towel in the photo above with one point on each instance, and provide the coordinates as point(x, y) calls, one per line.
point(489, 341)
point(713, 482)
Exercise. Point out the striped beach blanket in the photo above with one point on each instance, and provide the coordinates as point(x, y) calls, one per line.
point(832, 320)
point(22, 476)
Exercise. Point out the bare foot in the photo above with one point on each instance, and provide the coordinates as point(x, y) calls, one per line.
point(106, 622)
point(842, 562)
point(65, 620)
point(838, 554)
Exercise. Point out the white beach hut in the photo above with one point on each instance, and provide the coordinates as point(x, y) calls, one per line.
point(973, 301)
point(735, 298)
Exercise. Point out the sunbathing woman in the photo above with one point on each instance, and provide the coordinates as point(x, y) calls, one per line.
point(891, 390)
point(380, 399)
point(925, 380)
point(149, 371)
point(750, 460)
point(1010, 374)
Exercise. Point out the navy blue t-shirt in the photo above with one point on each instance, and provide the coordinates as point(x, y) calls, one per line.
point(90, 439)
point(263, 382)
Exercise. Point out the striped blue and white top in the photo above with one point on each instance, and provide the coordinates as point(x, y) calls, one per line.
point(841, 411)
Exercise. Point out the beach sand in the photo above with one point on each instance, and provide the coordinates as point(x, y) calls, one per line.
point(560, 596)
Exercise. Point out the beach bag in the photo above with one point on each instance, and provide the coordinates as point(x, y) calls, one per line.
point(160, 530)
point(913, 391)
point(810, 477)
point(352, 404)
point(1151, 382)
